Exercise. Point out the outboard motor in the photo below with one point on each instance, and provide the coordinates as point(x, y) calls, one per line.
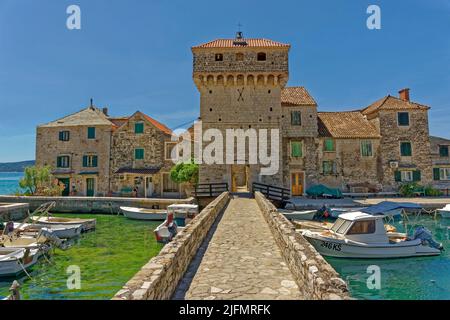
point(322, 213)
point(425, 235)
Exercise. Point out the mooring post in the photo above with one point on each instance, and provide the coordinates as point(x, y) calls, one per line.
point(14, 290)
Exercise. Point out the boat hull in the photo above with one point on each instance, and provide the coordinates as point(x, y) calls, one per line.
point(16, 264)
point(86, 224)
point(299, 215)
point(444, 214)
point(142, 214)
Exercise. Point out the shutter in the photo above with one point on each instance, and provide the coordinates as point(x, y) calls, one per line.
point(95, 161)
point(85, 161)
point(60, 136)
point(436, 174)
point(417, 175)
point(58, 162)
point(398, 176)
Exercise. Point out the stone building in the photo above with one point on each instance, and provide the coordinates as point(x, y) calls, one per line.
point(242, 85)
point(440, 158)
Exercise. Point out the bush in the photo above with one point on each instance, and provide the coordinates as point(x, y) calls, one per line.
point(430, 191)
point(185, 172)
point(408, 189)
point(38, 181)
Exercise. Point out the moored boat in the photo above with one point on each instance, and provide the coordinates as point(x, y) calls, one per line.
point(444, 212)
point(60, 231)
point(298, 215)
point(360, 235)
point(143, 214)
point(87, 224)
point(16, 261)
point(178, 216)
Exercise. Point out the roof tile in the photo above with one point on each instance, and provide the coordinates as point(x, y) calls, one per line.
point(393, 103)
point(247, 43)
point(346, 125)
point(296, 96)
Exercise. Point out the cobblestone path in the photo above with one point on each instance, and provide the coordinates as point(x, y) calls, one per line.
point(242, 260)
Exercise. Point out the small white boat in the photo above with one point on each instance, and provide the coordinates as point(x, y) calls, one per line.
point(444, 212)
point(298, 215)
point(143, 214)
point(87, 224)
point(59, 230)
point(16, 261)
point(361, 235)
point(178, 216)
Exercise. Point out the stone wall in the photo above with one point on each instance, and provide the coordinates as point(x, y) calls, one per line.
point(13, 211)
point(314, 276)
point(158, 279)
point(106, 205)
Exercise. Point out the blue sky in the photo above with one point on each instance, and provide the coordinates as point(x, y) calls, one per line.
point(135, 55)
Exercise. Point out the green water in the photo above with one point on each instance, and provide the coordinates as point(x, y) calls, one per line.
point(107, 257)
point(423, 278)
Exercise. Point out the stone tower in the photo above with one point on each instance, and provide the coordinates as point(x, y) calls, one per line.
point(240, 82)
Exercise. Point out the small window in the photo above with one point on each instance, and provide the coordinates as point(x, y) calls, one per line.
point(139, 127)
point(403, 119)
point(296, 149)
point(296, 118)
point(444, 174)
point(328, 146)
point(239, 56)
point(328, 168)
point(90, 161)
point(63, 162)
point(362, 227)
point(219, 57)
point(262, 56)
point(443, 151)
point(366, 148)
point(139, 154)
point(405, 149)
point(64, 136)
point(91, 133)
point(407, 176)
point(169, 147)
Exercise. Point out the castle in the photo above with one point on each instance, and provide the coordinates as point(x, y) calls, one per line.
point(242, 84)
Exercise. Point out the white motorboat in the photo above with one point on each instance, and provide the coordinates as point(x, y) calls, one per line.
point(59, 230)
point(178, 216)
point(298, 215)
point(444, 212)
point(361, 235)
point(144, 214)
point(48, 221)
point(16, 261)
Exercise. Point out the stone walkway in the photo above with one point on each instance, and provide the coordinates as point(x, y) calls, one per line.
point(242, 260)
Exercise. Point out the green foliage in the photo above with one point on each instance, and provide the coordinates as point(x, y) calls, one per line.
point(40, 181)
point(408, 189)
point(432, 192)
point(185, 172)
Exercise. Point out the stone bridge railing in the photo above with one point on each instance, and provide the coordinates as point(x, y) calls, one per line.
point(158, 279)
point(315, 277)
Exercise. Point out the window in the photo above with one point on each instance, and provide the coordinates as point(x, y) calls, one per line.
point(405, 149)
point(63, 162)
point(407, 176)
point(91, 133)
point(362, 227)
point(239, 56)
point(90, 161)
point(296, 149)
point(261, 56)
point(168, 184)
point(64, 136)
point(296, 118)
point(328, 145)
point(328, 167)
point(403, 119)
point(343, 226)
point(139, 127)
point(366, 148)
point(444, 174)
point(139, 154)
point(168, 148)
point(219, 57)
point(443, 151)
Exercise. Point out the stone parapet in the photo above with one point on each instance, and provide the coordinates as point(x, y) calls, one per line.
point(314, 276)
point(158, 279)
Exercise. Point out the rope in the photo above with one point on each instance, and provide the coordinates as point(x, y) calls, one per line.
point(23, 268)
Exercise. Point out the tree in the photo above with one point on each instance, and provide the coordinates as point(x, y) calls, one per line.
point(185, 173)
point(40, 181)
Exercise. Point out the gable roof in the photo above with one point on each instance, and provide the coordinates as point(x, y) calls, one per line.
point(242, 43)
point(90, 116)
point(296, 96)
point(120, 122)
point(345, 125)
point(393, 103)
point(158, 125)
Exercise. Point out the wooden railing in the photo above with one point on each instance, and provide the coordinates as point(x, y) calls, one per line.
point(210, 189)
point(272, 192)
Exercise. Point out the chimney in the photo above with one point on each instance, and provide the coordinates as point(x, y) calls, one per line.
point(105, 111)
point(404, 94)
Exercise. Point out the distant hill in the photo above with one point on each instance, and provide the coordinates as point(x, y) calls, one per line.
point(15, 166)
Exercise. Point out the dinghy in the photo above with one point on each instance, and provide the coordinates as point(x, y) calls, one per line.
point(444, 212)
point(361, 235)
point(178, 216)
point(143, 214)
point(60, 231)
point(298, 215)
point(48, 221)
point(16, 261)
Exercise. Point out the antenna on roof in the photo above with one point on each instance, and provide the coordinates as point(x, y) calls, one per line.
point(239, 41)
point(92, 103)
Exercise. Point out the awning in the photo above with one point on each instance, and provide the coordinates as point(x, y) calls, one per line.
point(88, 173)
point(141, 171)
point(62, 172)
point(387, 206)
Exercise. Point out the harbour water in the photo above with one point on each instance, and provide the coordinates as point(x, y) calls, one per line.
point(9, 182)
point(424, 278)
point(107, 257)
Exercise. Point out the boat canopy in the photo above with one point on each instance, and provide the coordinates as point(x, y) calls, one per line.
point(386, 206)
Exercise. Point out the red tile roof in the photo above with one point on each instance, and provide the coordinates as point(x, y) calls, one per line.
point(393, 103)
point(346, 125)
point(158, 125)
point(296, 96)
point(247, 43)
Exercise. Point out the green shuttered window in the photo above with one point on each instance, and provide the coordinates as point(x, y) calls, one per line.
point(90, 161)
point(403, 119)
point(328, 167)
point(443, 151)
point(296, 149)
point(139, 127)
point(63, 162)
point(91, 133)
point(408, 176)
point(405, 149)
point(436, 174)
point(64, 136)
point(366, 148)
point(139, 154)
point(329, 145)
point(296, 118)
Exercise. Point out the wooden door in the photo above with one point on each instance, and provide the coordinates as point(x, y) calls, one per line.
point(66, 182)
point(297, 183)
point(90, 187)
